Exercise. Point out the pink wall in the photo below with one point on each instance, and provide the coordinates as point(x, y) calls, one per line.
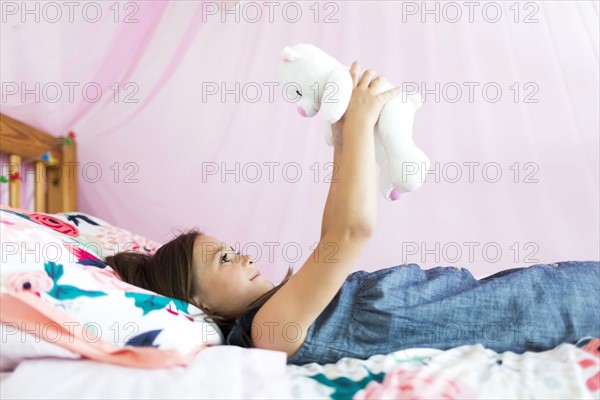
point(162, 144)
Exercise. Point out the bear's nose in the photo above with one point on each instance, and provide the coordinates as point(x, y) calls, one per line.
point(301, 111)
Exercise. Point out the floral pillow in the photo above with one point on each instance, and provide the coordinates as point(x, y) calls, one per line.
point(59, 298)
point(95, 235)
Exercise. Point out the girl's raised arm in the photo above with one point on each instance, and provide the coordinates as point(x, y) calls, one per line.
point(336, 130)
point(300, 301)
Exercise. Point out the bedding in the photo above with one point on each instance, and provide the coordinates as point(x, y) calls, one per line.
point(468, 372)
point(53, 271)
point(220, 372)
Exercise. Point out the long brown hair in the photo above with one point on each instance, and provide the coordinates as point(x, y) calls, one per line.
point(170, 272)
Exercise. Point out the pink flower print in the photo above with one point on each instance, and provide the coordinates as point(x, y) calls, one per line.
point(84, 257)
point(143, 245)
point(415, 385)
point(18, 229)
point(29, 281)
point(170, 310)
point(53, 222)
point(593, 347)
point(14, 223)
point(113, 240)
point(82, 254)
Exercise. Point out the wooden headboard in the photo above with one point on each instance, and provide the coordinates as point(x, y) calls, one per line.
point(55, 178)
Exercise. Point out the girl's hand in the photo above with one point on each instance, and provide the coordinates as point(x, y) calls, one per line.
point(339, 125)
point(366, 101)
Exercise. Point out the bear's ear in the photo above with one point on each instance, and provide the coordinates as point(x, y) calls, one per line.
point(288, 54)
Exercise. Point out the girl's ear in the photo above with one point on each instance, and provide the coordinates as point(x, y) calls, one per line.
point(203, 305)
point(288, 54)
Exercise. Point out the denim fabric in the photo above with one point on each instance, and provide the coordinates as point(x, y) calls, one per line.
point(533, 308)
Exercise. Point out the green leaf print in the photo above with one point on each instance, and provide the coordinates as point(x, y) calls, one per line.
point(346, 388)
point(181, 305)
point(64, 292)
point(148, 302)
point(54, 271)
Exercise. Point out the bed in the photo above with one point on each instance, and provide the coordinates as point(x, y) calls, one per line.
point(72, 329)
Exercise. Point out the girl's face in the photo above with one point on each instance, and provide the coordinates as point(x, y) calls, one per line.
point(228, 281)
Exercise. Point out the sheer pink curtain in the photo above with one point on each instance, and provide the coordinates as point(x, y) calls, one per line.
point(45, 88)
point(156, 153)
point(71, 55)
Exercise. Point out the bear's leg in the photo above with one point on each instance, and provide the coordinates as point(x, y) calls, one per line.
point(405, 161)
point(384, 183)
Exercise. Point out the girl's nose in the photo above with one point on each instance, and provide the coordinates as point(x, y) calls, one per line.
point(248, 259)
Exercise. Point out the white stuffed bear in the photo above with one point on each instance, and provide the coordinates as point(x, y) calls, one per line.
point(321, 83)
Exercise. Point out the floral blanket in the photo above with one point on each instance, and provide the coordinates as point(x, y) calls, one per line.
point(467, 372)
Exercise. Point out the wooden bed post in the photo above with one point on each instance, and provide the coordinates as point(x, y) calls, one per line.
point(39, 189)
point(14, 186)
point(71, 165)
point(25, 143)
point(62, 181)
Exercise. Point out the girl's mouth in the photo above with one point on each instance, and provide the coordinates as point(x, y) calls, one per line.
point(255, 275)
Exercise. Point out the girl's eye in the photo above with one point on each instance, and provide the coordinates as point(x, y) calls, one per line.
point(298, 93)
point(225, 259)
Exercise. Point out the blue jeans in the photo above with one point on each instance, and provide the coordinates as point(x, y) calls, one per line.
point(533, 308)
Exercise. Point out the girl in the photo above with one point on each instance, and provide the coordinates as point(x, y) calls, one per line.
point(325, 312)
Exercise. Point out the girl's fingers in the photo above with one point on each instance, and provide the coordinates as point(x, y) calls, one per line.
point(354, 73)
point(389, 94)
point(366, 78)
point(378, 80)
